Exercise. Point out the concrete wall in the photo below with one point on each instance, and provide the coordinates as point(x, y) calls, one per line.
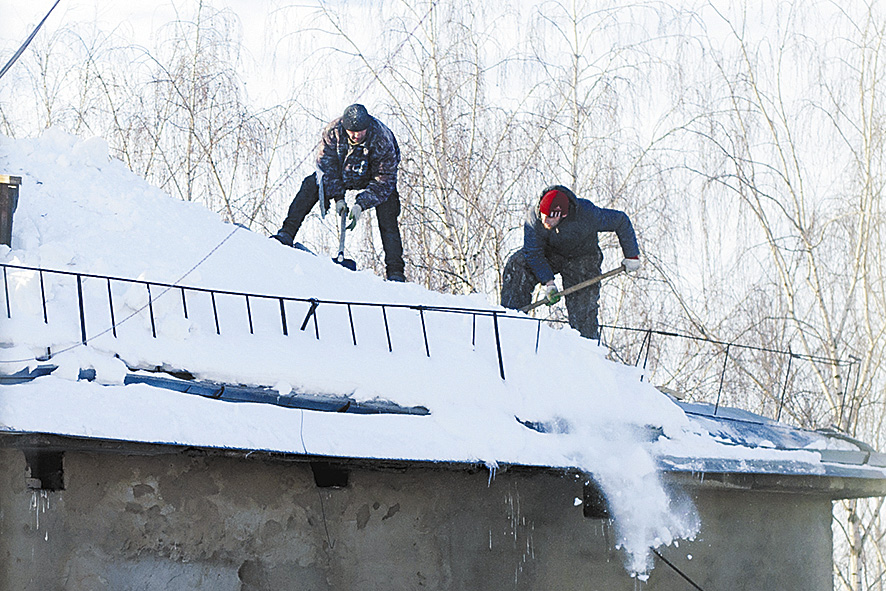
point(193, 522)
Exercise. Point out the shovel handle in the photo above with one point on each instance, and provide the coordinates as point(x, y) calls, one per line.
point(341, 235)
point(576, 287)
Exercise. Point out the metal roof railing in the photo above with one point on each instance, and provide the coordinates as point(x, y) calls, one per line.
point(153, 287)
point(154, 290)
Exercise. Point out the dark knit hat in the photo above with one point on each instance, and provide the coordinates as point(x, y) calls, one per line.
point(554, 204)
point(356, 118)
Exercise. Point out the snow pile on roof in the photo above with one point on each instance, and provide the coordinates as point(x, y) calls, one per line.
point(80, 211)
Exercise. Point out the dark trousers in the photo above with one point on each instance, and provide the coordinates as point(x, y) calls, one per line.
point(518, 282)
point(386, 213)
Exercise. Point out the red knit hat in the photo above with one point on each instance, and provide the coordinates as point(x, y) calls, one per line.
point(554, 204)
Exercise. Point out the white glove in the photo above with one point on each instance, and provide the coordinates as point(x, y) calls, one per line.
point(550, 294)
point(354, 215)
point(631, 264)
point(341, 206)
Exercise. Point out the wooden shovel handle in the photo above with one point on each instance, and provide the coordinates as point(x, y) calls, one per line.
point(577, 287)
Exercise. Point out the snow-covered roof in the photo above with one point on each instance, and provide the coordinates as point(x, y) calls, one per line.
point(833, 454)
point(437, 374)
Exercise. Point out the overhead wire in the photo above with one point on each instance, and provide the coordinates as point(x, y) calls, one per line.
point(27, 42)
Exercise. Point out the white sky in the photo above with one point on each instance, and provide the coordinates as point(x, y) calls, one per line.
point(267, 30)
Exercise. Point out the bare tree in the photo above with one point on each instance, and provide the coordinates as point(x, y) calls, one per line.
point(801, 157)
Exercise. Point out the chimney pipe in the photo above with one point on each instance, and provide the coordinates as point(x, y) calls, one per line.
point(8, 202)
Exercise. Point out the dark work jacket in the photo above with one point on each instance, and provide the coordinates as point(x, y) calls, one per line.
point(575, 235)
point(371, 166)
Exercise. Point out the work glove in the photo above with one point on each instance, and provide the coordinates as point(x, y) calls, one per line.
point(550, 294)
point(341, 206)
point(354, 215)
point(631, 264)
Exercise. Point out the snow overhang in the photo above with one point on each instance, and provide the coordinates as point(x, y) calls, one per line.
point(846, 467)
point(745, 447)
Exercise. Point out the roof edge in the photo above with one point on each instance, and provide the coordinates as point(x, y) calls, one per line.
point(832, 486)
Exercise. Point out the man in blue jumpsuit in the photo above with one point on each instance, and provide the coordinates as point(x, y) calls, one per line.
point(560, 236)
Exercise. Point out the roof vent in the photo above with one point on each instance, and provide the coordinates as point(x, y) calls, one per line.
point(328, 475)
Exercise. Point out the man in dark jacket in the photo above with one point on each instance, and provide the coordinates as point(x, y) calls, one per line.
point(357, 152)
point(560, 236)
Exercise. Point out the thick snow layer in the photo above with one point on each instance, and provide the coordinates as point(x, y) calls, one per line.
point(81, 211)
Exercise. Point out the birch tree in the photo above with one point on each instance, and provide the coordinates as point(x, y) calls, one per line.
point(802, 160)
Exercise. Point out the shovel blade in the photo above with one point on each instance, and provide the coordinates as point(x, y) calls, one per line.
point(349, 264)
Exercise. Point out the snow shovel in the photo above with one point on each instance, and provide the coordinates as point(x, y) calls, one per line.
point(576, 287)
point(340, 259)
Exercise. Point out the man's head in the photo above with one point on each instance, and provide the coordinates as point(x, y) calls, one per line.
point(356, 121)
point(554, 206)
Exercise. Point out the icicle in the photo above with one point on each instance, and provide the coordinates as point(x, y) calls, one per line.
point(492, 466)
point(34, 508)
point(39, 504)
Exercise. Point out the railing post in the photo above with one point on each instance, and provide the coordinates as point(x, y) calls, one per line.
point(82, 313)
point(646, 337)
point(215, 312)
point(312, 312)
point(384, 315)
point(151, 311)
point(249, 314)
point(424, 330)
point(501, 363)
point(43, 297)
point(722, 376)
point(283, 317)
point(111, 308)
point(184, 303)
point(646, 358)
point(854, 361)
point(6, 291)
point(784, 389)
point(353, 331)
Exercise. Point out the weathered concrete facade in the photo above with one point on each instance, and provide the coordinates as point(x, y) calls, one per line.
point(205, 520)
